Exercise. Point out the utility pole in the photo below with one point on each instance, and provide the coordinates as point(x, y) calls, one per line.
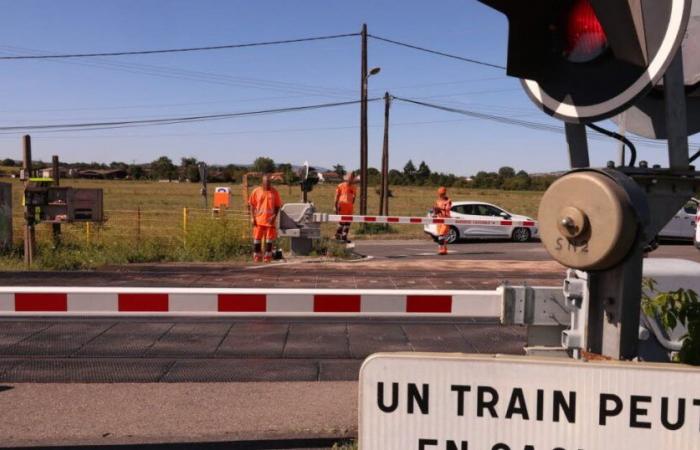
point(363, 124)
point(29, 235)
point(56, 172)
point(384, 197)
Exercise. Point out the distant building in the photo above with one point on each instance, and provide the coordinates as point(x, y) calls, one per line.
point(329, 177)
point(48, 172)
point(102, 174)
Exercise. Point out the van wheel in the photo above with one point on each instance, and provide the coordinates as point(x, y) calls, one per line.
point(521, 235)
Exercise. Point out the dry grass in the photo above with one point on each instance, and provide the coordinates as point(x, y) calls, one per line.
point(145, 221)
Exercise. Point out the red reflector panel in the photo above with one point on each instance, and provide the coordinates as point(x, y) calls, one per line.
point(429, 304)
point(41, 302)
point(143, 302)
point(337, 303)
point(242, 302)
point(585, 37)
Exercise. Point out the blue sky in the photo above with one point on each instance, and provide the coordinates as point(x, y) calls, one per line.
point(133, 87)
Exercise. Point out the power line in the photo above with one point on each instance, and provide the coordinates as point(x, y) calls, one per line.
point(180, 50)
point(437, 52)
point(172, 120)
point(199, 76)
point(523, 123)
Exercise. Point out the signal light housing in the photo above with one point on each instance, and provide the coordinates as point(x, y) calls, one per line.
point(586, 60)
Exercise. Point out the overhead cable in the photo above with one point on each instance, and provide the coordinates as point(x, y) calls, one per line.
point(437, 52)
point(173, 120)
point(178, 50)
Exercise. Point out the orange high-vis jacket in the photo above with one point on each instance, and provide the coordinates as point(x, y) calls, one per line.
point(443, 208)
point(345, 195)
point(263, 205)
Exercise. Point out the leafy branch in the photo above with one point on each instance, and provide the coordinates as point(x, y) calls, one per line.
point(674, 308)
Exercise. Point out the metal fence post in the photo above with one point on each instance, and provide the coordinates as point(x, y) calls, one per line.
point(184, 224)
point(138, 223)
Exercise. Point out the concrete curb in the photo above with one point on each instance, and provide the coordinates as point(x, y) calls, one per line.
point(85, 301)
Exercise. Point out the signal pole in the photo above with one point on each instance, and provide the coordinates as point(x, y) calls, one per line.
point(363, 123)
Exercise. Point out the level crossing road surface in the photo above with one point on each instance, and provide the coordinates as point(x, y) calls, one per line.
point(185, 349)
point(397, 264)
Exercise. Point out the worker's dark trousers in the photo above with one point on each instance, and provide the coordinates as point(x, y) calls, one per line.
point(342, 232)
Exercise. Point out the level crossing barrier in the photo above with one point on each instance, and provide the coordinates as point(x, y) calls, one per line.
point(337, 218)
point(86, 301)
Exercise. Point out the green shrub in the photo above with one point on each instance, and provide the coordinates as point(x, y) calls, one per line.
point(375, 228)
point(680, 307)
point(215, 239)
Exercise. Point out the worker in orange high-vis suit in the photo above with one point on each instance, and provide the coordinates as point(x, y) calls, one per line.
point(263, 206)
point(345, 204)
point(441, 210)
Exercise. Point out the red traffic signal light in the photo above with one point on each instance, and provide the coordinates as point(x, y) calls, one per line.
point(585, 37)
point(586, 60)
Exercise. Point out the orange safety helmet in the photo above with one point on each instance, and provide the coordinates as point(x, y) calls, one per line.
point(442, 190)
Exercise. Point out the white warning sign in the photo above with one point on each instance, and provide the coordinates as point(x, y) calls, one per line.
point(460, 402)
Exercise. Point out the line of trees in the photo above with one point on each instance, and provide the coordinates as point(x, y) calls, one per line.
point(163, 168)
point(506, 178)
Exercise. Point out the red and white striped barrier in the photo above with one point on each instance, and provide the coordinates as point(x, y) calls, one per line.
point(322, 217)
point(211, 301)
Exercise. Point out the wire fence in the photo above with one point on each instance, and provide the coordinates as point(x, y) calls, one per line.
point(134, 225)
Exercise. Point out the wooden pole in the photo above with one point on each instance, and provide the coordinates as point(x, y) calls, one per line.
point(363, 124)
point(29, 234)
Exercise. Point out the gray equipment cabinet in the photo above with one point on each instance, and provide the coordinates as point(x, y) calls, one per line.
point(296, 221)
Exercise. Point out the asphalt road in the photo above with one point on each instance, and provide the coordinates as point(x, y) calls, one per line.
point(398, 264)
point(226, 350)
point(492, 250)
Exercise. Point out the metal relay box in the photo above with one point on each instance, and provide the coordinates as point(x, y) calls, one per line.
point(65, 204)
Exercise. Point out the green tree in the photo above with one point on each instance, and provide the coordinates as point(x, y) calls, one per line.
point(163, 168)
point(9, 162)
point(118, 165)
point(409, 172)
point(340, 169)
point(264, 165)
point(136, 172)
point(189, 169)
point(486, 180)
point(423, 172)
point(289, 176)
point(396, 177)
point(506, 172)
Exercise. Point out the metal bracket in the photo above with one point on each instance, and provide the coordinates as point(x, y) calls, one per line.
point(576, 294)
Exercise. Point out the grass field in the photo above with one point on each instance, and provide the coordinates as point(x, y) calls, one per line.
point(151, 221)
